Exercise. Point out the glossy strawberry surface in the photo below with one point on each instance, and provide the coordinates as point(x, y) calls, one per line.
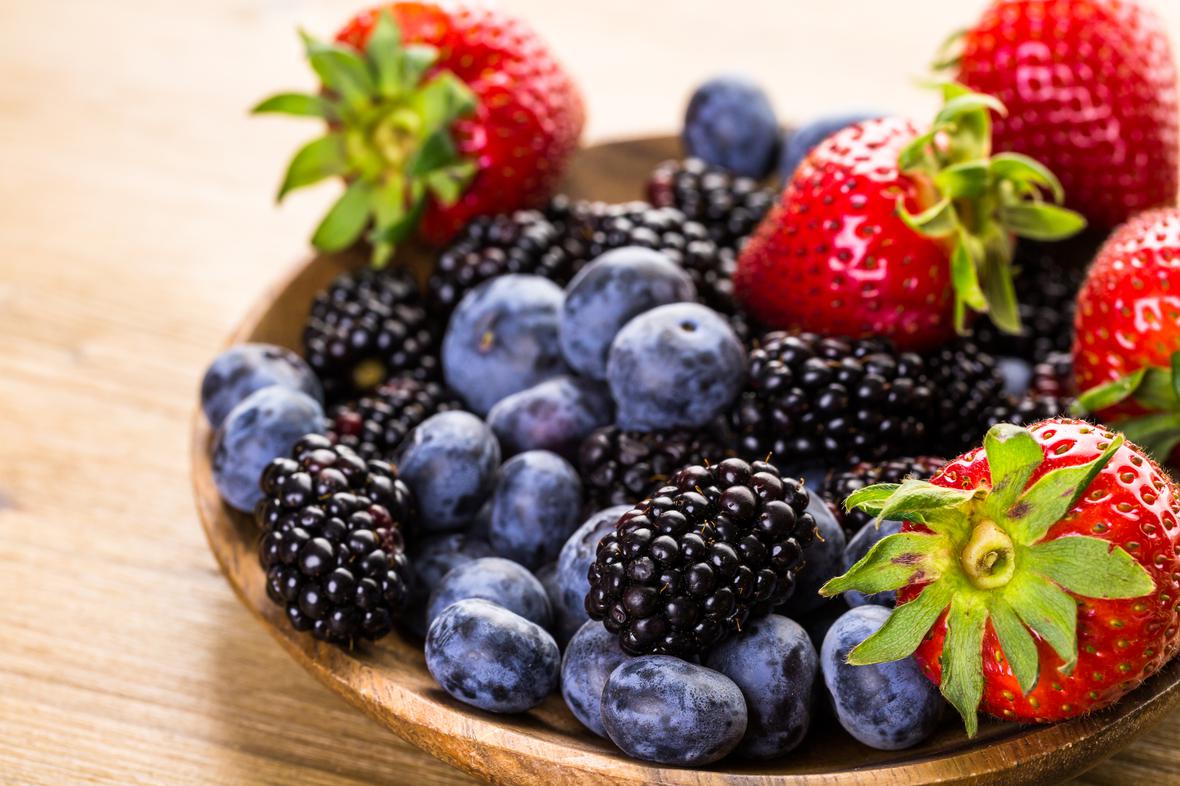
point(1090, 87)
point(1132, 503)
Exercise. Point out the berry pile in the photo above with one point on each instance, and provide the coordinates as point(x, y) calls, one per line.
point(839, 486)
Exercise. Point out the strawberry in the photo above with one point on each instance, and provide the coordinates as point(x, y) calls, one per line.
point(1090, 86)
point(1037, 576)
point(1126, 353)
point(436, 114)
point(889, 230)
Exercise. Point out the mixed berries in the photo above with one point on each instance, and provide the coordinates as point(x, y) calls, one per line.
point(687, 461)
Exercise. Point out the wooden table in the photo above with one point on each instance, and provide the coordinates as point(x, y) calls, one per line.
point(137, 227)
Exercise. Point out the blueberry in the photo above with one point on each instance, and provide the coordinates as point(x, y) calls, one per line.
point(486, 656)
point(730, 123)
point(1017, 374)
point(667, 710)
point(775, 665)
point(824, 560)
point(861, 542)
point(481, 526)
point(244, 368)
point(573, 565)
point(592, 654)
point(432, 558)
point(262, 427)
point(547, 575)
point(449, 461)
point(817, 623)
point(497, 580)
point(675, 366)
point(804, 139)
point(607, 294)
point(503, 338)
point(889, 706)
point(536, 506)
point(556, 415)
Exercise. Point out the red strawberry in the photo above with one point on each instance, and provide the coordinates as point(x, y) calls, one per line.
point(888, 231)
point(1037, 577)
point(436, 113)
point(1126, 353)
point(1090, 87)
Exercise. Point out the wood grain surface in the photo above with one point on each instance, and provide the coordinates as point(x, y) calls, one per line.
point(136, 228)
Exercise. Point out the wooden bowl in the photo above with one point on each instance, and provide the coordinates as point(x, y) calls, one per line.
point(389, 681)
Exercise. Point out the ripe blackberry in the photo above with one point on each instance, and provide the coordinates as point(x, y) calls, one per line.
point(623, 467)
point(366, 327)
point(687, 568)
point(1024, 410)
point(839, 485)
point(332, 544)
point(729, 206)
point(375, 425)
point(811, 399)
point(966, 383)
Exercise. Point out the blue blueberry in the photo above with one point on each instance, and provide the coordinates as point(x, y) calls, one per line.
point(449, 461)
point(432, 558)
point(824, 560)
point(798, 143)
point(481, 526)
point(262, 427)
point(556, 415)
point(817, 623)
point(889, 706)
point(592, 654)
point(861, 542)
point(495, 579)
point(775, 665)
point(573, 565)
point(730, 123)
point(486, 656)
point(669, 711)
point(607, 294)
point(675, 366)
point(244, 368)
point(1017, 374)
point(537, 504)
point(502, 339)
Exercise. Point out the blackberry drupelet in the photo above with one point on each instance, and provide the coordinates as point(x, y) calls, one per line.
point(375, 425)
point(333, 546)
point(811, 399)
point(839, 485)
point(713, 548)
point(623, 467)
point(366, 327)
point(729, 206)
point(966, 383)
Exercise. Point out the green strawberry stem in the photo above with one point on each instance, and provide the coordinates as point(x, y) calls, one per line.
point(982, 558)
point(1155, 389)
point(981, 203)
point(389, 114)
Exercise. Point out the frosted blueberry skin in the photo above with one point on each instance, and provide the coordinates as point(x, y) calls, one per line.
point(730, 123)
point(502, 339)
point(675, 366)
point(666, 710)
point(556, 415)
point(607, 294)
point(824, 560)
point(262, 427)
point(775, 666)
point(245, 368)
point(486, 656)
point(494, 579)
point(865, 538)
point(804, 139)
point(432, 558)
point(590, 657)
point(573, 565)
point(889, 706)
point(536, 505)
point(449, 461)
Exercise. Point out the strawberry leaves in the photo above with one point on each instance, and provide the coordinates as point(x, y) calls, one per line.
point(1153, 388)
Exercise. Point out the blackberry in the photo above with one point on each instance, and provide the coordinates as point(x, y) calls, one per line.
point(332, 544)
point(839, 485)
point(1024, 410)
point(1053, 376)
point(729, 206)
point(366, 327)
point(811, 399)
point(375, 425)
point(623, 467)
point(966, 384)
point(713, 548)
